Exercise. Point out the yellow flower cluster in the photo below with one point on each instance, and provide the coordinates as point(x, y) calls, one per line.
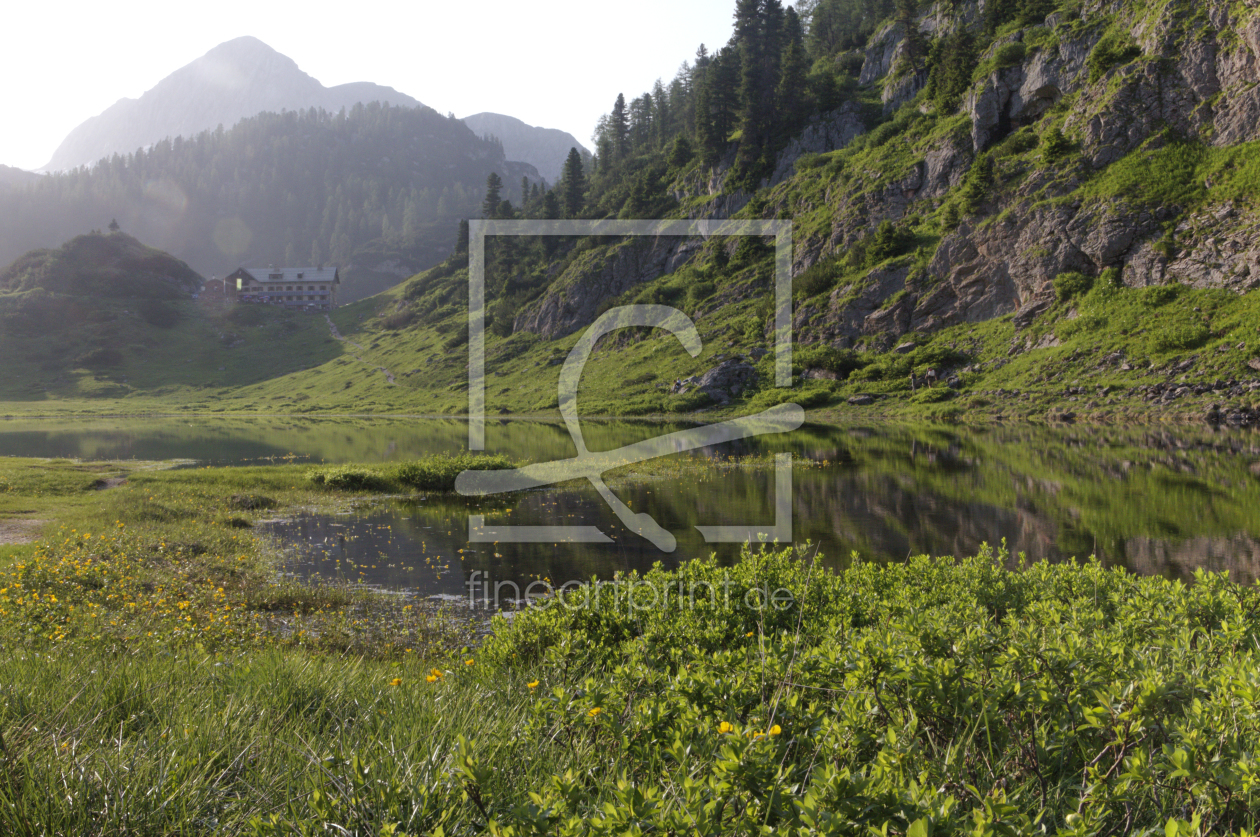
point(85, 586)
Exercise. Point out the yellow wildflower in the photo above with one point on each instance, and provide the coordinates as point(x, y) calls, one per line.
point(397, 681)
point(725, 727)
point(595, 711)
point(532, 685)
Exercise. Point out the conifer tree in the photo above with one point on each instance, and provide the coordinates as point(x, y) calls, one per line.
point(494, 189)
point(573, 184)
point(461, 238)
point(790, 96)
point(551, 206)
point(619, 126)
point(908, 19)
point(724, 93)
point(707, 137)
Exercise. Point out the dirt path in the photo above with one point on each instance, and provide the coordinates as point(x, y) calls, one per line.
point(332, 327)
point(19, 531)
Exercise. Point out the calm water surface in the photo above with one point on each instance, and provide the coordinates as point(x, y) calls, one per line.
point(1156, 501)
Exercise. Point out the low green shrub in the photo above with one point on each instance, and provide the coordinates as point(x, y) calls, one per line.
point(349, 478)
point(438, 472)
point(818, 278)
point(1114, 49)
point(806, 162)
point(1072, 284)
point(932, 395)
point(822, 356)
point(1056, 146)
point(1180, 338)
point(699, 291)
point(1008, 55)
point(1160, 295)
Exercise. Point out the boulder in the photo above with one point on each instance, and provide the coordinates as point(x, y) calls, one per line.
point(861, 400)
point(726, 380)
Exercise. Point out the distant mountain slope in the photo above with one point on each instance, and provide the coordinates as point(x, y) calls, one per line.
point(377, 191)
point(236, 79)
point(543, 148)
point(10, 176)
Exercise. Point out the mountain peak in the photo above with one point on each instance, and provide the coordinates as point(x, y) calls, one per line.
point(234, 80)
point(543, 148)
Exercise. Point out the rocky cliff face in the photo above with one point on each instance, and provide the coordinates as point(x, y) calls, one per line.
point(1022, 165)
point(1197, 78)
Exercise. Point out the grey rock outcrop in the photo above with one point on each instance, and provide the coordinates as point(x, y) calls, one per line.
point(721, 383)
point(826, 133)
point(575, 297)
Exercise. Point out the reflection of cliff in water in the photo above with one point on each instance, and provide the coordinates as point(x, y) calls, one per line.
point(1155, 501)
point(1239, 554)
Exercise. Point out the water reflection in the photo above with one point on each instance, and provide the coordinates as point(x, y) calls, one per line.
point(1153, 501)
point(1163, 501)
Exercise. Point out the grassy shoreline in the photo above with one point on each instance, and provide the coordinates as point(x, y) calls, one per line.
point(156, 677)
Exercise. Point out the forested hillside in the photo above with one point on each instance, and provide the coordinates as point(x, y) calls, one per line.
point(1050, 204)
point(377, 190)
point(986, 190)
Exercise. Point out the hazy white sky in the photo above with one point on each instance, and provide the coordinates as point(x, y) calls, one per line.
point(554, 63)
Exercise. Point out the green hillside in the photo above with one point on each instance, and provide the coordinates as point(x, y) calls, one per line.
point(1049, 205)
point(104, 318)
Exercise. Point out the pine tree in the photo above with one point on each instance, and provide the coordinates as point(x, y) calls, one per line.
point(619, 126)
point(707, 137)
point(759, 30)
point(680, 152)
point(551, 206)
point(573, 184)
point(494, 189)
point(461, 237)
point(724, 93)
point(660, 115)
point(908, 19)
point(790, 96)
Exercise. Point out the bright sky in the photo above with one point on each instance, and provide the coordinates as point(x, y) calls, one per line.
point(553, 63)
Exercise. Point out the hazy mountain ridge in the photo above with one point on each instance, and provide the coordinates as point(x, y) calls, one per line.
point(543, 148)
point(10, 177)
point(298, 187)
point(235, 80)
